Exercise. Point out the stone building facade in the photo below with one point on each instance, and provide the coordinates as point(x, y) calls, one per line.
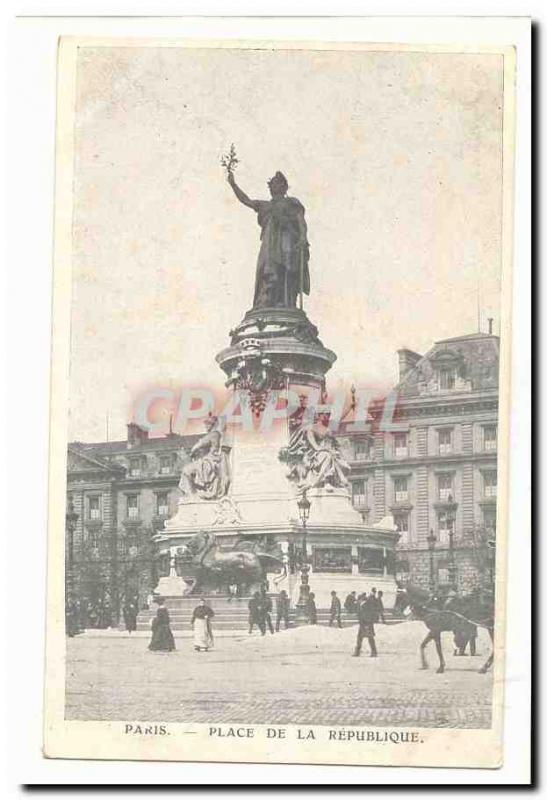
point(434, 471)
point(121, 494)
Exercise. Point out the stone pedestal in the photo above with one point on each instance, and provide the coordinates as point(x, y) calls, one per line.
point(284, 338)
point(271, 350)
point(171, 586)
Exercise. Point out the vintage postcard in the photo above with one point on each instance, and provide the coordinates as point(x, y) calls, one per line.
point(280, 402)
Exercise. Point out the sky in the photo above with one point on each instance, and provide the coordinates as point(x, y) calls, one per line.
point(396, 156)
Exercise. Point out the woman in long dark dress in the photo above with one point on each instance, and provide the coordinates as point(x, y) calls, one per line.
point(162, 637)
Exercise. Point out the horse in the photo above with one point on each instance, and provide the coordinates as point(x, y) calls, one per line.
point(458, 615)
point(242, 567)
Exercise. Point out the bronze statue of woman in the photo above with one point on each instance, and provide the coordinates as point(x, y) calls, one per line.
point(282, 269)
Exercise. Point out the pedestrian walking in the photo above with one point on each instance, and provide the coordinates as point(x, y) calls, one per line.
point(266, 608)
point(311, 609)
point(380, 605)
point(83, 620)
point(93, 614)
point(367, 615)
point(255, 614)
point(335, 610)
point(467, 635)
point(105, 614)
point(130, 616)
point(162, 636)
point(201, 623)
point(232, 591)
point(282, 609)
point(350, 603)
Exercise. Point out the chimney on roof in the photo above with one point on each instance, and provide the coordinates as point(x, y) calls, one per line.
point(135, 435)
point(490, 323)
point(407, 361)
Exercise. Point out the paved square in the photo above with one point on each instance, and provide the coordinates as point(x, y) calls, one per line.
point(304, 675)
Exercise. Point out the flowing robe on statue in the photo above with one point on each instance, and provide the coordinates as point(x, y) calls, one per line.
point(208, 472)
point(282, 262)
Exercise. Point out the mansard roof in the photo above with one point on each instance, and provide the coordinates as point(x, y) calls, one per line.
point(474, 357)
point(105, 449)
point(102, 458)
point(80, 461)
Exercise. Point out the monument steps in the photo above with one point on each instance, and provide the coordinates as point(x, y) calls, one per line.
point(231, 615)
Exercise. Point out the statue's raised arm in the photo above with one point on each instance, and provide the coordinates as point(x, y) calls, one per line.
point(240, 194)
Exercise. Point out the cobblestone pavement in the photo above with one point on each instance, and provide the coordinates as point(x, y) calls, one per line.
point(304, 675)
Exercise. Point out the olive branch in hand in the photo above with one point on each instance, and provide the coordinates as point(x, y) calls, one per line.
point(230, 160)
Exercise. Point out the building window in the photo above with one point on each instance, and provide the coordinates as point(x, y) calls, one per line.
point(135, 467)
point(165, 465)
point(400, 487)
point(447, 378)
point(402, 523)
point(445, 441)
point(332, 559)
point(490, 437)
point(400, 444)
point(132, 501)
point(358, 493)
point(445, 490)
point(490, 482)
point(94, 506)
point(445, 526)
point(489, 519)
point(162, 504)
point(362, 449)
point(92, 539)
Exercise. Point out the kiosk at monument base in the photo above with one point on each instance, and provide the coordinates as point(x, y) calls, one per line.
point(241, 487)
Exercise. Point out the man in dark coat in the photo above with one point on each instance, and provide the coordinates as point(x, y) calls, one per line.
point(105, 620)
point(266, 608)
point(311, 609)
point(84, 611)
point(130, 616)
point(367, 615)
point(255, 614)
point(380, 604)
point(350, 603)
point(335, 610)
point(282, 608)
point(466, 635)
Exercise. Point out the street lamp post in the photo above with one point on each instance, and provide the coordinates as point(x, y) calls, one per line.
point(304, 506)
point(71, 519)
point(431, 540)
